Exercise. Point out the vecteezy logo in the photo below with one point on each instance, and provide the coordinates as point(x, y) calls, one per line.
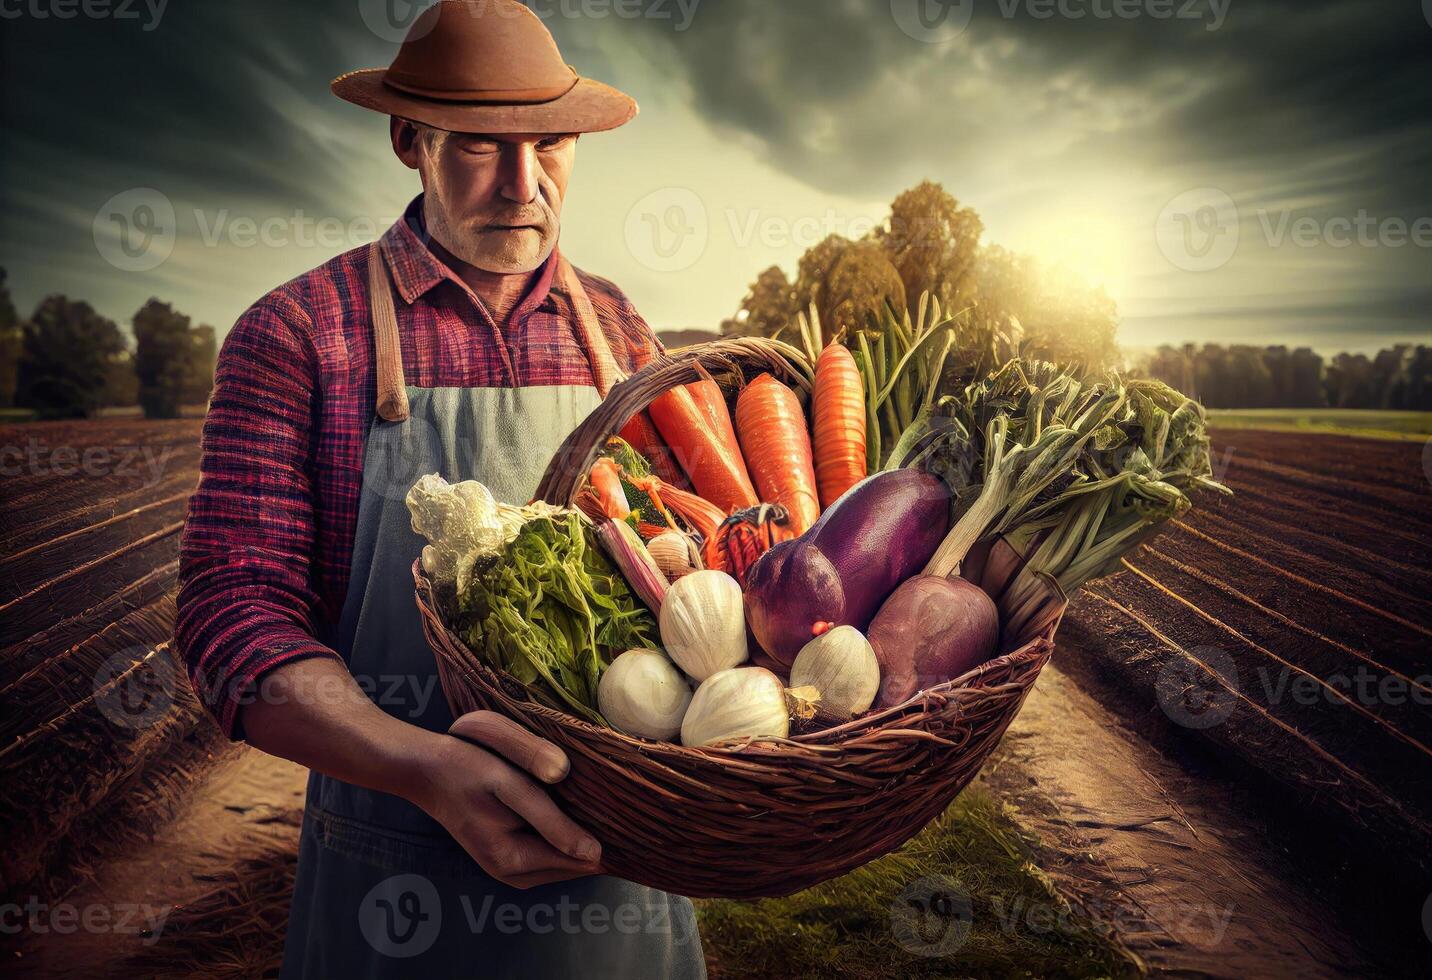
point(398, 454)
point(1198, 230)
point(134, 230)
point(135, 687)
point(668, 229)
point(401, 916)
point(390, 20)
point(1190, 691)
point(932, 21)
point(932, 916)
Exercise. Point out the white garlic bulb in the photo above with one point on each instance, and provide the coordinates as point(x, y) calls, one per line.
point(671, 550)
point(643, 694)
point(703, 623)
point(842, 666)
point(742, 702)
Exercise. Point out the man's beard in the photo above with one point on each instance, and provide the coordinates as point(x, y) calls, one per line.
point(486, 244)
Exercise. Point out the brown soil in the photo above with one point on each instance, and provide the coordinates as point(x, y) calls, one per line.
point(1169, 859)
point(1300, 608)
point(248, 806)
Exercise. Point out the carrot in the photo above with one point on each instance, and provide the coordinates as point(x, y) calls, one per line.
point(703, 440)
point(712, 401)
point(603, 496)
point(839, 414)
point(772, 427)
point(642, 436)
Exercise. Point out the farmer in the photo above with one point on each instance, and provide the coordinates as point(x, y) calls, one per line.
point(461, 343)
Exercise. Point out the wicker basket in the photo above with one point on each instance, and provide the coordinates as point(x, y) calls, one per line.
point(769, 817)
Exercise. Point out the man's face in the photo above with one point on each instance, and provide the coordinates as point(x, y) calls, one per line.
point(493, 201)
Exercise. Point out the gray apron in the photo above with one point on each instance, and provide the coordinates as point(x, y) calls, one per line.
point(382, 889)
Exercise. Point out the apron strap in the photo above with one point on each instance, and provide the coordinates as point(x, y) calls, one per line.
point(387, 353)
point(605, 370)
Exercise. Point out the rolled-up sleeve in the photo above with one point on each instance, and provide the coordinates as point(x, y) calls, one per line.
point(247, 599)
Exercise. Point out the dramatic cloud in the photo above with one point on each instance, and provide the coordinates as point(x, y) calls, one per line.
point(1070, 125)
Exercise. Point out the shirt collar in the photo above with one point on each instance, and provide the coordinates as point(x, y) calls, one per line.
point(416, 269)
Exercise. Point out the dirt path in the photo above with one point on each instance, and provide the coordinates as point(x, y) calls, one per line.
point(1169, 859)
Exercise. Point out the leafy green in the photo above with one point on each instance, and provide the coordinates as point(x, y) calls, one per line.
point(1140, 474)
point(552, 611)
point(1098, 466)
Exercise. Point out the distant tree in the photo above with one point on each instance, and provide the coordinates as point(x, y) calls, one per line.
point(1305, 385)
point(1242, 376)
point(200, 383)
point(848, 282)
point(769, 307)
point(1351, 382)
point(66, 356)
point(933, 244)
point(121, 387)
point(165, 356)
point(1174, 366)
point(1419, 383)
point(1044, 312)
point(12, 344)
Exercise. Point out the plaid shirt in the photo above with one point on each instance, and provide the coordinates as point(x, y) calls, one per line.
point(269, 538)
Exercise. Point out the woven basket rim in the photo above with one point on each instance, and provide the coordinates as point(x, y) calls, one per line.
point(1028, 654)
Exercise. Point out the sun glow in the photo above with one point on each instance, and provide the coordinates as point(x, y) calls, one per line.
point(1086, 243)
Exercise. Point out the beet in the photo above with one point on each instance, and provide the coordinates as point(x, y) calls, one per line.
point(933, 629)
point(789, 590)
point(879, 533)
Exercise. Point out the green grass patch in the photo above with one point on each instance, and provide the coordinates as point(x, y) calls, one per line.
point(1370, 424)
point(964, 898)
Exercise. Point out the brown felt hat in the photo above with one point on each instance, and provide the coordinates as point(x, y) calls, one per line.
point(485, 66)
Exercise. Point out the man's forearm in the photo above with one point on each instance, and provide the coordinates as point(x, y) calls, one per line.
point(314, 713)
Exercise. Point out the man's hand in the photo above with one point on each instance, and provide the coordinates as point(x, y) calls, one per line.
point(473, 781)
point(478, 786)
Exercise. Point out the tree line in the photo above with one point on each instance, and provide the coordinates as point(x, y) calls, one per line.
point(1006, 303)
point(1246, 376)
point(930, 246)
point(68, 361)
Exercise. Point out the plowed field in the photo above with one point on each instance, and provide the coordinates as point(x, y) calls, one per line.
point(1290, 624)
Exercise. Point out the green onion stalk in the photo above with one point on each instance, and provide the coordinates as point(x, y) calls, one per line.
point(1143, 470)
point(1074, 474)
point(1034, 437)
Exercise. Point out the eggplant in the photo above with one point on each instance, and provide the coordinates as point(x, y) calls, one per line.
point(879, 533)
point(933, 629)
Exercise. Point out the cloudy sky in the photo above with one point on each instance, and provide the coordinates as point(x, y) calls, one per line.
point(1230, 170)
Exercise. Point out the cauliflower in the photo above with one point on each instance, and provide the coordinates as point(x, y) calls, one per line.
point(464, 522)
